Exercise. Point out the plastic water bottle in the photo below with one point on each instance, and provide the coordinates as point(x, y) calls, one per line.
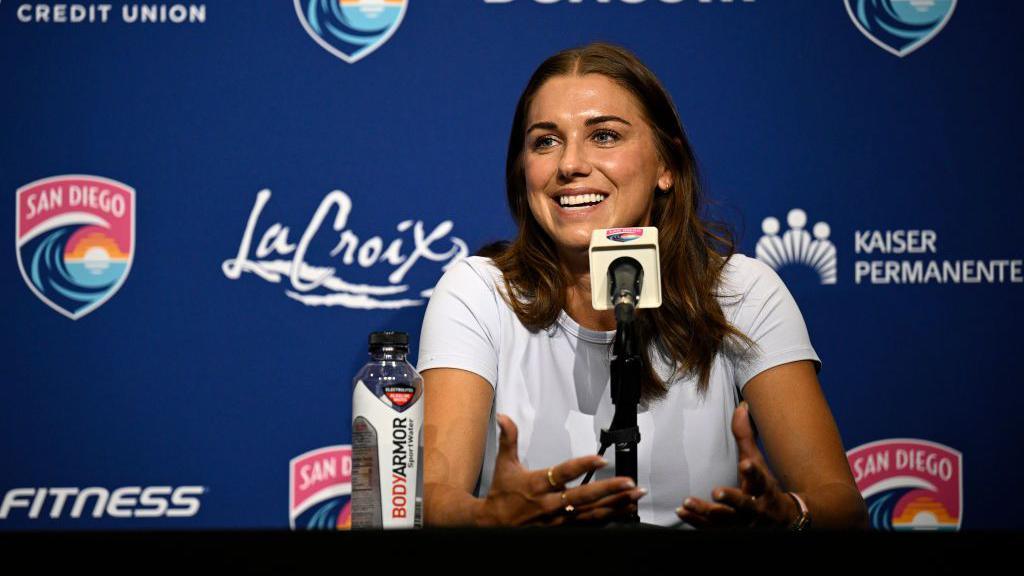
point(387, 449)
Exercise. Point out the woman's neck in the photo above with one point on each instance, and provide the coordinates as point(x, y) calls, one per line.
point(578, 303)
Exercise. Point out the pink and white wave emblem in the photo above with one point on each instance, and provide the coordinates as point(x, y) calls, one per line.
point(624, 234)
point(74, 237)
point(320, 489)
point(910, 484)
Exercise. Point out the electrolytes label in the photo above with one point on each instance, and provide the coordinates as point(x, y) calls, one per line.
point(400, 394)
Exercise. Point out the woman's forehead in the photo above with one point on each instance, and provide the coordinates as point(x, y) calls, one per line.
point(571, 98)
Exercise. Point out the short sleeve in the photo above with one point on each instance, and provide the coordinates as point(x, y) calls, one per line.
point(460, 327)
point(767, 313)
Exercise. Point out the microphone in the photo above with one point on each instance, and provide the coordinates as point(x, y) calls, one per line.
point(625, 273)
point(625, 280)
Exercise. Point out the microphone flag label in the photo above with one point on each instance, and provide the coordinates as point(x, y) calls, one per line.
point(624, 234)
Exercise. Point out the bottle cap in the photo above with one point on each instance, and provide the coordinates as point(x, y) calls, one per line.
point(389, 338)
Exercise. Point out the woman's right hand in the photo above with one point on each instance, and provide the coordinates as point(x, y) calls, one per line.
point(520, 497)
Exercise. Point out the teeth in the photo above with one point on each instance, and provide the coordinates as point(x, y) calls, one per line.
point(580, 199)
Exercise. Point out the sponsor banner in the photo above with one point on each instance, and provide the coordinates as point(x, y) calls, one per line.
point(900, 26)
point(64, 13)
point(277, 257)
point(75, 240)
point(798, 246)
point(100, 502)
point(897, 256)
point(320, 489)
point(624, 2)
point(909, 484)
point(351, 29)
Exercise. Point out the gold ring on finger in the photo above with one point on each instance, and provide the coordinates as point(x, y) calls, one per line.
point(569, 508)
point(551, 477)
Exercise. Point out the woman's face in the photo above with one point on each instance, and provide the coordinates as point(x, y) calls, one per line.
point(590, 159)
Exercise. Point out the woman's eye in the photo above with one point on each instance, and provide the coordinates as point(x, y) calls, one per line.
point(605, 137)
point(543, 142)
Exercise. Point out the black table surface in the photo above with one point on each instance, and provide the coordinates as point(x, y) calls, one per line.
point(537, 550)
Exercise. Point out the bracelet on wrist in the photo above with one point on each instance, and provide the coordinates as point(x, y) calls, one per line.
point(804, 520)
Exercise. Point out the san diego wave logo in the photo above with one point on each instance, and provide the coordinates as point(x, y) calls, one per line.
point(351, 29)
point(909, 484)
point(798, 246)
point(900, 26)
point(320, 489)
point(75, 236)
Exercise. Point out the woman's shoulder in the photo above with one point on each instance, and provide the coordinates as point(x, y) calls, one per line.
point(474, 278)
point(744, 278)
point(477, 270)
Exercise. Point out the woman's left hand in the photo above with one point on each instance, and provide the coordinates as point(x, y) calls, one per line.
point(759, 502)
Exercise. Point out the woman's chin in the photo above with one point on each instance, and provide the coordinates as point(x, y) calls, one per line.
point(577, 240)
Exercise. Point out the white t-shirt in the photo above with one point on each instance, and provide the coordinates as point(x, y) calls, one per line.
point(554, 383)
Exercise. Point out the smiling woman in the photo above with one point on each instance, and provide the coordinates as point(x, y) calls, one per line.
point(515, 359)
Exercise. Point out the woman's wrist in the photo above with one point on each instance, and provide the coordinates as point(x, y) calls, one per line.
point(478, 511)
point(835, 506)
point(448, 506)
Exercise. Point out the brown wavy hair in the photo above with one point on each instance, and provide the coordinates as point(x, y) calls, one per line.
point(689, 328)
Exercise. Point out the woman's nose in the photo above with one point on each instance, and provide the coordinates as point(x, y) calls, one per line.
point(573, 162)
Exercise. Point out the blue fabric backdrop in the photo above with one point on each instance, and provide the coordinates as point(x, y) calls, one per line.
point(210, 367)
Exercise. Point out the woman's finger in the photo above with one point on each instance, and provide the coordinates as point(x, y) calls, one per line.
point(508, 440)
point(584, 496)
point(743, 431)
point(709, 510)
point(595, 491)
point(735, 499)
point(555, 478)
point(747, 507)
point(754, 477)
point(617, 500)
point(692, 518)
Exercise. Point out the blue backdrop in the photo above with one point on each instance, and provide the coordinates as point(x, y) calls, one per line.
point(215, 363)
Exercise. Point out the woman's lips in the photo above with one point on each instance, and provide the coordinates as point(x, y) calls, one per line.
point(577, 212)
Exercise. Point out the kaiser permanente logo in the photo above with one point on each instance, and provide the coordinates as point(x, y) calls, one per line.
point(797, 246)
point(276, 258)
point(900, 26)
point(351, 29)
point(898, 256)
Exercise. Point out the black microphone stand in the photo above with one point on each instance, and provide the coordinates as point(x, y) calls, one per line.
point(626, 368)
point(625, 276)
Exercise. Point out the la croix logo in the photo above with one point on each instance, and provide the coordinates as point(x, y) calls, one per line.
point(276, 257)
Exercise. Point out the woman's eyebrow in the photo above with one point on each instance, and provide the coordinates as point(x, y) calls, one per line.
point(589, 122)
point(602, 119)
point(542, 126)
